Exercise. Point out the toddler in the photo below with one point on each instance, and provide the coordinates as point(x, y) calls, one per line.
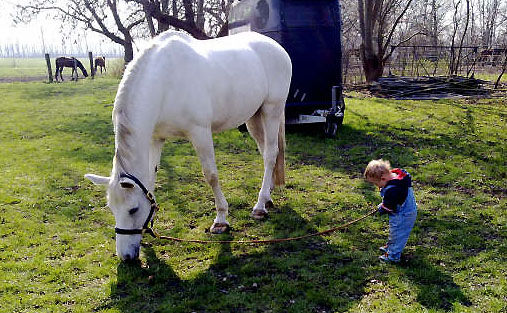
point(397, 201)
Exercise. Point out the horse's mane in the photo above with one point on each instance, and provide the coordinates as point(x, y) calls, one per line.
point(121, 121)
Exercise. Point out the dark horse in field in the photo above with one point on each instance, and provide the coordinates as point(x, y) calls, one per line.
point(100, 61)
point(73, 63)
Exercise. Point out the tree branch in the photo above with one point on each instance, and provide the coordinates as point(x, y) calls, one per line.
point(398, 19)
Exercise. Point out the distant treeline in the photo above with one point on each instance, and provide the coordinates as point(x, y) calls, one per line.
point(32, 51)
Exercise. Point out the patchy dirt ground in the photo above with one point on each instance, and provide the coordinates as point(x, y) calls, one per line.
point(26, 79)
point(22, 79)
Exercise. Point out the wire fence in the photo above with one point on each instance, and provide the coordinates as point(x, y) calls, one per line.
point(430, 61)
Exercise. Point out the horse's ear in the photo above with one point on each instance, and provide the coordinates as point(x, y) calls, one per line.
point(98, 180)
point(127, 183)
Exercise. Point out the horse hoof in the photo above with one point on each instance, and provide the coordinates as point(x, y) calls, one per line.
point(219, 228)
point(259, 214)
point(269, 205)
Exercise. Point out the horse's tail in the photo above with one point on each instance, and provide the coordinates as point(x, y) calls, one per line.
point(279, 170)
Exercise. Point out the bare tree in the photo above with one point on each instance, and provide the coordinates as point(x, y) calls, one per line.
point(504, 69)
point(201, 19)
point(428, 17)
point(103, 17)
point(378, 21)
point(488, 20)
point(460, 49)
point(458, 18)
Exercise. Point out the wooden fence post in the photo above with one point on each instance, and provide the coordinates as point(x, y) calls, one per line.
point(92, 69)
point(50, 72)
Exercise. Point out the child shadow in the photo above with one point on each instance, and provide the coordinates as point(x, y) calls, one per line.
point(437, 290)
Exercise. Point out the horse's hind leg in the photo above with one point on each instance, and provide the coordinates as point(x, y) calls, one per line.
point(270, 115)
point(256, 129)
point(202, 141)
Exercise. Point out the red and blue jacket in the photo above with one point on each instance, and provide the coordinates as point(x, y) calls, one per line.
point(394, 193)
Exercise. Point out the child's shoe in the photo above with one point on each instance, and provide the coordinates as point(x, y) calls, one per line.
point(383, 249)
point(385, 258)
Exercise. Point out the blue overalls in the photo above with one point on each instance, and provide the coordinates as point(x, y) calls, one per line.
point(400, 224)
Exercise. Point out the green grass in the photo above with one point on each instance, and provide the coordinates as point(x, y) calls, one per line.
point(16, 68)
point(492, 77)
point(57, 238)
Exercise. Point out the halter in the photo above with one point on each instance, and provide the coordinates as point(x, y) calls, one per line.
point(147, 228)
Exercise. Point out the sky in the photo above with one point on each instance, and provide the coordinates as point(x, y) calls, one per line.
point(43, 27)
point(30, 33)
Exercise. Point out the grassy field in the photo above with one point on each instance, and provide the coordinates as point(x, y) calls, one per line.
point(35, 69)
point(57, 239)
point(15, 68)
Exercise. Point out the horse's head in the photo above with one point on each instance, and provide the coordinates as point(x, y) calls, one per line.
point(132, 211)
point(81, 66)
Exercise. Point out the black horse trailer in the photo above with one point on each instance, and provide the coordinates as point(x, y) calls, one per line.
point(310, 31)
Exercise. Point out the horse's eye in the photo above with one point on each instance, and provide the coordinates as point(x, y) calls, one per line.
point(133, 211)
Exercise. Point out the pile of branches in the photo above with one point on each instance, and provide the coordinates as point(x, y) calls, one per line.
point(422, 88)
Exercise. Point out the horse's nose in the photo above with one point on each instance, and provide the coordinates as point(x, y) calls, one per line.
point(128, 256)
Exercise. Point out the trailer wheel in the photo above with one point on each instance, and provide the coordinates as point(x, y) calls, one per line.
point(331, 126)
point(330, 129)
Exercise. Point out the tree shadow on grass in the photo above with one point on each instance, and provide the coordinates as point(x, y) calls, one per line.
point(353, 148)
point(348, 153)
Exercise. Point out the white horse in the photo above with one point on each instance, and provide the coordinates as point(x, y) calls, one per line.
point(183, 87)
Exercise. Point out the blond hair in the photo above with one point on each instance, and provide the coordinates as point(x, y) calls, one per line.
point(377, 168)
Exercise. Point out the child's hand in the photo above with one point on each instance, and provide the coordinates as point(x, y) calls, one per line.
point(383, 210)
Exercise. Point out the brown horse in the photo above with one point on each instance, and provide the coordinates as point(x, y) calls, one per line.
point(71, 62)
point(100, 61)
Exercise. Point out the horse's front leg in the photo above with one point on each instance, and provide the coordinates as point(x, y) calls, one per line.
point(202, 141)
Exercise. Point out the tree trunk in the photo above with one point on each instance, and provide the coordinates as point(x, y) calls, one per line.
point(458, 59)
point(129, 52)
point(372, 65)
point(377, 32)
point(504, 68)
point(434, 23)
